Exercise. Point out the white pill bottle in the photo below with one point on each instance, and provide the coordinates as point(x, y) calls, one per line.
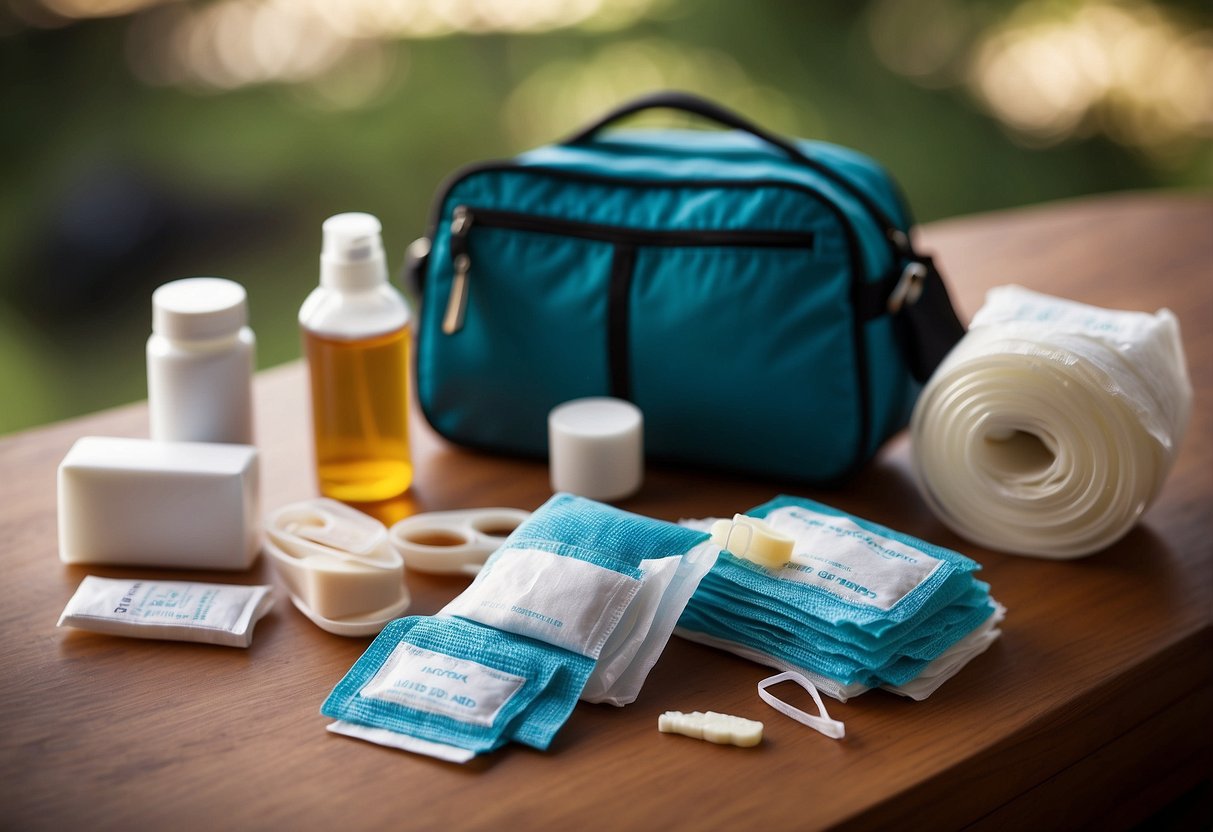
point(200, 360)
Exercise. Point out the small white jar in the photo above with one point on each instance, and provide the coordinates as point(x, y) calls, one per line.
point(596, 448)
point(200, 361)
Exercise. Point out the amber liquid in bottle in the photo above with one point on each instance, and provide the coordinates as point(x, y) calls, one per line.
point(360, 415)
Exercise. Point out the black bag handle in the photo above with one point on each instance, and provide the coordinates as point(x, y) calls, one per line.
point(686, 102)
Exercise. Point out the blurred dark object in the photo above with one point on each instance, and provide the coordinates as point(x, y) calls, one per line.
point(117, 232)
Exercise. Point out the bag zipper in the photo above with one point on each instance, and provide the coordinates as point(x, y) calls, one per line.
point(463, 218)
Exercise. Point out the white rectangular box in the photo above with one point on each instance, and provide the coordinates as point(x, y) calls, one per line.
point(181, 505)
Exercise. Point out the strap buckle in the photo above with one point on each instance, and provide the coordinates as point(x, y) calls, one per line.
point(909, 287)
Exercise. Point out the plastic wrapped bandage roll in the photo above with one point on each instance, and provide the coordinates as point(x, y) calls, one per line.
point(1052, 425)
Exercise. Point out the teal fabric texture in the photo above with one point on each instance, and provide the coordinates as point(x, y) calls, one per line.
point(552, 680)
point(594, 531)
point(709, 278)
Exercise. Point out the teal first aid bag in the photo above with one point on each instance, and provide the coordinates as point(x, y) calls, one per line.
point(758, 298)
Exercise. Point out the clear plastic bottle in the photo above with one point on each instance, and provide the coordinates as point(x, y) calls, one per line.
point(356, 337)
point(200, 360)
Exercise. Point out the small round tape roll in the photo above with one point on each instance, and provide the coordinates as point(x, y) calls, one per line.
point(1052, 425)
point(596, 448)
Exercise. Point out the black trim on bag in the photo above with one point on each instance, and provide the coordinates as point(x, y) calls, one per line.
point(623, 235)
point(859, 291)
point(619, 304)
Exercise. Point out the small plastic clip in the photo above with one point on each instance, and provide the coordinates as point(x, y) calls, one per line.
point(722, 729)
point(763, 544)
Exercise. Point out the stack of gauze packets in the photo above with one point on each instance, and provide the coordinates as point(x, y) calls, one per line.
point(578, 602)
point(856, 606)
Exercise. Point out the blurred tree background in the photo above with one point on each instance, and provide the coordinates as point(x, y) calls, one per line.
point(148, 140)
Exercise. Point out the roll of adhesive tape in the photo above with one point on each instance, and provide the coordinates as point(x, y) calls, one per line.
point(596, 448)
point(1051, 426)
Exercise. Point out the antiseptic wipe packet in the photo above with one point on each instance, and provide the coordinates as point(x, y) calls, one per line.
point(173, 610)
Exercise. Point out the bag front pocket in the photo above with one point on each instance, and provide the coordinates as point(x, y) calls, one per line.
point(542, 310)
point(752, 366)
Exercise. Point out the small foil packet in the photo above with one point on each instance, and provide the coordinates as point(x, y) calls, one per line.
point(173, 610)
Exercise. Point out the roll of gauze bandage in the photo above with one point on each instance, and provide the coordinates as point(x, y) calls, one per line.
point(1051, 426)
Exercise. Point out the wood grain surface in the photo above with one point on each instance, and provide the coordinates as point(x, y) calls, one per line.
point(1094, 708)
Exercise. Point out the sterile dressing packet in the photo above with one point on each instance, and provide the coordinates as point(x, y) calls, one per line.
point(174, 610)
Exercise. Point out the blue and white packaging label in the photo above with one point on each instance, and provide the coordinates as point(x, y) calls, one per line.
point(856, 565)
point(439, 684)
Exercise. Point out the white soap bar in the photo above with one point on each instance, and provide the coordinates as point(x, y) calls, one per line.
point(721, 729)
point(174, 610)
point(165, 504)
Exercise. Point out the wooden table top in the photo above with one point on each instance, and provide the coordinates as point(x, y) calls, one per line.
point(1094, 706)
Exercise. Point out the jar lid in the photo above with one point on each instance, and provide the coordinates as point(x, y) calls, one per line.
point(199, 308)
point(596, 448)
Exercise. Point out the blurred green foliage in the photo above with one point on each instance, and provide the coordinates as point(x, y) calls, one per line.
point(112, 185)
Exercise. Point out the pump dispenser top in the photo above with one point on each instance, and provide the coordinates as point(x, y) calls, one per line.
point(351, 255)
point(354, 298)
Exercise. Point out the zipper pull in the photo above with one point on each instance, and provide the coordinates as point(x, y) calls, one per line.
point(461, 222)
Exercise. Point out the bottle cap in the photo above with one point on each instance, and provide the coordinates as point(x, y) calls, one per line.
point(596, 448)
point(198, 308)
point(352, 254)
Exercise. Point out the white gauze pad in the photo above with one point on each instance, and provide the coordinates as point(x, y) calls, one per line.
point(1051, 426)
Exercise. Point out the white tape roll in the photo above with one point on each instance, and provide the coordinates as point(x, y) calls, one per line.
point(1051, 426)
